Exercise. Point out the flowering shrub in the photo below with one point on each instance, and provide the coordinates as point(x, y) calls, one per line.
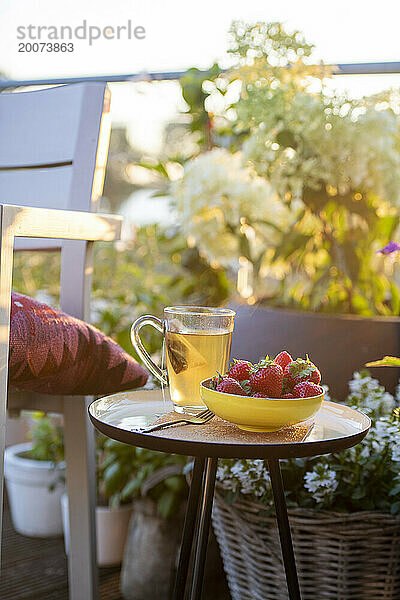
point(319, 142)
point(227, 210)
point(308, 186)
point(365, 477)
point(321, 482)
point(367, 395)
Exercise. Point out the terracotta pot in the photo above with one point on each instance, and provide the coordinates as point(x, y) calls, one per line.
point(339, 344)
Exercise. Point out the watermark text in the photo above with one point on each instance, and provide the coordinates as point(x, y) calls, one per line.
point(84, 31)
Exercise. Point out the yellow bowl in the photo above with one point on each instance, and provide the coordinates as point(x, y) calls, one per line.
point(259, 414)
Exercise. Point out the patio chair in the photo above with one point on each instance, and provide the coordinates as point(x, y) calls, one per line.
point(53, 151)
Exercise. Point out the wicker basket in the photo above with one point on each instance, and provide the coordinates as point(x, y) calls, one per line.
point(339, 556)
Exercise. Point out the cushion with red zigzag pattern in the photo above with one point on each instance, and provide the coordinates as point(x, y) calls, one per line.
point(54, 353)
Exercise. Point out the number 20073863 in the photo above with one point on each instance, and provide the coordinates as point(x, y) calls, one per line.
point(45, 47)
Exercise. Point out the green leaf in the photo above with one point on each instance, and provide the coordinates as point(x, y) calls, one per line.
point(231, 496)
point(395, 509)
point(114, 445)
point(175, 483)
point(386, 225)
point(395, 298)
point(158, 167)
point(291, 244)
point(115, 501)
point(113, 477)
point(358, 494)
point(130, 489)
point(286, 138)
point(110, 458)
point(395, 491)
point(386, 361)
point(269, 224)
point(166, 504)
point(360, 304)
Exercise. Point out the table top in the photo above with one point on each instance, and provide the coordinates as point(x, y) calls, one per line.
point(335, 427)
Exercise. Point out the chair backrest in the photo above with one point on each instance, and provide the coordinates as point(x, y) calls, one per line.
point(53, 149)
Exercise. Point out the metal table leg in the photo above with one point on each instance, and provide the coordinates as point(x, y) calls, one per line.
point(189, 527)
point(284, 529)
point(203, 528)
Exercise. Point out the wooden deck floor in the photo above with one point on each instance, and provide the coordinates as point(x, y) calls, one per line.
point(36, 569)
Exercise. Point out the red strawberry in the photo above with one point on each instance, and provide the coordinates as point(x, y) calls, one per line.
point(267, 377)
point(240, 370)
point(283, 359)
point(261, 395)
point(228, 385)
point(300, 370)
point(315, 375)
point(305, 389)
point(258, 395)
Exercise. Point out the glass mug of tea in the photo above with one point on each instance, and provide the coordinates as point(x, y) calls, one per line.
point(197, 343)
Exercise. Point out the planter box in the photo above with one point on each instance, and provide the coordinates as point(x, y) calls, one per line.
point(151, 553)
point(339, 344)
point(35, 510)
point(111, 531)
point(339, 556)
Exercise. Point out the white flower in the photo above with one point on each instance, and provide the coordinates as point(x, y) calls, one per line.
point(387, 403)
point(365, 452)
point(369, 396)
point(327, 394)
point(223, 476)
point(396, 451)
point(321, 482)
point(237, 469)
point(214, 196)
point(382, 434)
point(351, 149)
point(246, 476)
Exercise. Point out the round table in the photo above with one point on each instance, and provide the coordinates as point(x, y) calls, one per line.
point(334, 428)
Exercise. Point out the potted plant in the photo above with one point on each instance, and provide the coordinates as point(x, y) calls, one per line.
point(34, 474)
point(299, 196)
point(158, 485)
point(344, 511)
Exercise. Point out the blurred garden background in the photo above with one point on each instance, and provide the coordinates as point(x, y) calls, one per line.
point(270, 184)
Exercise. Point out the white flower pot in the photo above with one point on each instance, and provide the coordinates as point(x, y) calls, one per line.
point(35, 510)
point(111, 531)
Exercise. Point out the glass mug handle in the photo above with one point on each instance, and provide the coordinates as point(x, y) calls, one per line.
point(141, 350)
